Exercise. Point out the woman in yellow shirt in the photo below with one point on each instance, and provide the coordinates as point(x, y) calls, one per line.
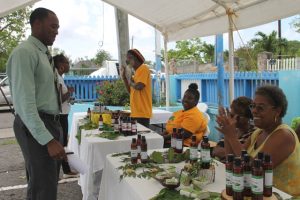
point(272, 137)
point(190, 119)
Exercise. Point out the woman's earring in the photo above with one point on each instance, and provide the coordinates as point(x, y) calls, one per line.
point(275, 119)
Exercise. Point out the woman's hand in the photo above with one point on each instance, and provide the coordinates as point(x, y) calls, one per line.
point(226, 123)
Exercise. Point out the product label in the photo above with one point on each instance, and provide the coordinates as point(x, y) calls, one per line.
point(116, 127)
point(101, 124)
point(179, 144)
point(268, 178)
point(205, 155)
point(173, 142)
point(134, 128)
point(257, 185)
point(247, 179)
point(124, 126)
point(237, 182)
point(133, 153)
point(228, 178)
point(144, 155)
point(193, 153)
point(139, 149)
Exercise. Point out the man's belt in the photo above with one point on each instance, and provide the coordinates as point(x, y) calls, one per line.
point(49, 116)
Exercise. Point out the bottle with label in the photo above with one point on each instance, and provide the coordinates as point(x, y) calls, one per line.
point(243, 153)
point(193, 150)
point(237, 179)
point(100, 123)
point(229, 174)
point(173, 138)
point(144, 149)
point(247, 176)
point(257, 180)
point(120, 124)
point(133, 127)
point(129, 126)
point(268, 175)
point(89, 114)
point(97, 107)
point(124, 126)
point(116, 125)
point(133, 152)
point(205, 153)
point(139, 143)
point(179, 141)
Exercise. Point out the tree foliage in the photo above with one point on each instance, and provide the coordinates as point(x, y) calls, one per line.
point(296, 23)
point(101, 56)
point(12, 31)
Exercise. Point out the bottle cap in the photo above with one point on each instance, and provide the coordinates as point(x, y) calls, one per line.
point(133, 140)
point(139, 136)
point(246, 158)
point(230, 157)
point(143, 138)
point(260, 155)
point(237, 161)
point(257, 163)
point(243, 152)
point(267, 158)
point(205, 139)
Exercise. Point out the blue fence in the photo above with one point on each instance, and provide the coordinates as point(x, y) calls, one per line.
point(245, 84)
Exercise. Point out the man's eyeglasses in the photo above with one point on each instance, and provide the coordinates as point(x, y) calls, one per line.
point(259, 107)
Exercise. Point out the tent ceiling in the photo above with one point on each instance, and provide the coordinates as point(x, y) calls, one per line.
point(178, 19)
point(8, 6)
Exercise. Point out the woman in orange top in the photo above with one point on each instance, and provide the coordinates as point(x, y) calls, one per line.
point(190, 119)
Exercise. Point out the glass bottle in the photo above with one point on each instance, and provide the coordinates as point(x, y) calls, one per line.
point(238, 179)
point(129, 126)
point(229, 174)
point(138, 143)
point(193, 150)
point(205, 153)
point(100, 123)
point(179, 142)
point(268, 175)
point(120, 125)
point(116, 125)
point(247, 176)
point(124, 126)
point(174, 138)
point(133, 152)
point(144, 149)
point(260, 156)
point(133, 127)
point(257, 180)
point(89, 114)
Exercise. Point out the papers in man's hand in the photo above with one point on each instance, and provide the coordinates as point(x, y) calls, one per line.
point(77, 164)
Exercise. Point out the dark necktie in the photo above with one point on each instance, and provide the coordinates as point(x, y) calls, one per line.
point(56, 85)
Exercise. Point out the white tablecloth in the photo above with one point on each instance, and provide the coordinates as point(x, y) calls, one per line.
point(144, 189)
point(158, 117)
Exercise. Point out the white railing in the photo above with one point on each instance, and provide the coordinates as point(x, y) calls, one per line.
point(291, 63)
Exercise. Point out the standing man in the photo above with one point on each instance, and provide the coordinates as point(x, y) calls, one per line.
point(36, 101)
point(139, 87)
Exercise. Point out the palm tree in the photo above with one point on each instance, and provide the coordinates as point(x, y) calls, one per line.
point(208, 50)
point(268, 43)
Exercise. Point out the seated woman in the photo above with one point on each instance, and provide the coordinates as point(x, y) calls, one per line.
point(272, 137)
point(190, 119)
point(244, 128)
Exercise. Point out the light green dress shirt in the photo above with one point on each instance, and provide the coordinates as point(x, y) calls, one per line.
point(32, 87)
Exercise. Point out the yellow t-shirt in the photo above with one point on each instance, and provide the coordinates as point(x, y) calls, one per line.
point(141, 100)
point(286, 176)
point(191, 120)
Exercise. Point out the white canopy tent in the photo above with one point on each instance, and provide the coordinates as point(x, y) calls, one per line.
point(185, 19)
point(179, 20)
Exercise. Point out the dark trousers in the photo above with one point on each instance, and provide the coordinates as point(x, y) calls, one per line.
point(42, 170)
point(144, 121)
point(64, 124)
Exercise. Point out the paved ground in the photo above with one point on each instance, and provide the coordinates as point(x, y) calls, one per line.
point(12, 174)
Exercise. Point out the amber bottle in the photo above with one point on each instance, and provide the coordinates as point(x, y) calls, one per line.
point(257, 180)
point(144, 154)
point(100, 123)
point(174, 138)
point(268, 175)
point(179, 142)
point(116, 125)
point(88, 114)
point(229, 173)
point(238, 179)
point(133, 152)
point(205, 153)
point(260, 156)
point(138, 144)
point(247, 176)
point(193, 150)
point(133, 127)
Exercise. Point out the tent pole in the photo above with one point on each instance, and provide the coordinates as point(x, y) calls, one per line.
point(219, 62)
point(157, 88)
point(167, 71)
point(231, 60)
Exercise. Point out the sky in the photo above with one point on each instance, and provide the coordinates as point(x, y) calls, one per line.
point(89, 25)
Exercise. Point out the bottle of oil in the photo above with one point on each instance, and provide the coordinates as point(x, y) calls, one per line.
point(133, 152)
point(229, 174)
point(179, 142)
point(238, 179)
point(257, 180)
point(100, 123)
point(144, 154)
point(193, 150)
point(268, 175)
point(247, 176)
point(205, 153)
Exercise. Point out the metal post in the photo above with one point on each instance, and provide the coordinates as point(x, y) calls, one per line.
point(157, 66)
